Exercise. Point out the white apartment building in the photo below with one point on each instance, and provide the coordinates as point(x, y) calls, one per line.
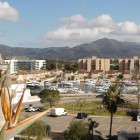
point(29, 65)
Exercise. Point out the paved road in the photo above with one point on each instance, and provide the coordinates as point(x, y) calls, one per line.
point(72, 98)
point(59, 124)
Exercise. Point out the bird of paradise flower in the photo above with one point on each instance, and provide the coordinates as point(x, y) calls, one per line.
point(11, 115)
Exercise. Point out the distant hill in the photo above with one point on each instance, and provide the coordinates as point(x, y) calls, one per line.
point(101, 48)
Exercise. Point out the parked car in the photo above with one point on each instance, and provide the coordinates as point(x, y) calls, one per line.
point(33, 109)
point(82, 115)
point(58, 112)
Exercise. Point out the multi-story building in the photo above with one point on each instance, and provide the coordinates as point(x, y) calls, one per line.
point(28, 65)
point(94, 64)
point(130, 64)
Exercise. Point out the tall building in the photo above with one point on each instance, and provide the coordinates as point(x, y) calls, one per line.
point(94, 64)
point(130, 64)
point(28, 65)
point(91, 64)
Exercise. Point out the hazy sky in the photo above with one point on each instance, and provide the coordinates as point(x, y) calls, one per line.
point(57, 23)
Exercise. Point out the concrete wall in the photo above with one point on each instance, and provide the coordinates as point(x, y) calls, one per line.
point(17, 90)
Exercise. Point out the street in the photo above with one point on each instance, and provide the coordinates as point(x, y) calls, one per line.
point(59, 124)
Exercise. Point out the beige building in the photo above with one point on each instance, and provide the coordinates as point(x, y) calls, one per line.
point(130, 64)
point(94, 64)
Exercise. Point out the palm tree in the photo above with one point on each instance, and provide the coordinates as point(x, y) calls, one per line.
point(111, 100)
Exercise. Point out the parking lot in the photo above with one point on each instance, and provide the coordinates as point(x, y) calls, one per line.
point(59, 124)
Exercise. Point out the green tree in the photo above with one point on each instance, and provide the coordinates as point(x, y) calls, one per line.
point(52, 64)
point(111, 100)
point(69, 66)
point(36, 130)
point(50, 96)
point(77, 130)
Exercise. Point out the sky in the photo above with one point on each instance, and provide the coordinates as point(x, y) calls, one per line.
point(58, 23)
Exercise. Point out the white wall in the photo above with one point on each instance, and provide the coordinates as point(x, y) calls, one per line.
point(17, 90)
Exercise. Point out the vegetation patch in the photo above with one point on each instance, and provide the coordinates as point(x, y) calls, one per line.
point(90, 107)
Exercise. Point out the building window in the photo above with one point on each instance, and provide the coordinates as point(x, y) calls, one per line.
point(93, 65)
point(99, 64)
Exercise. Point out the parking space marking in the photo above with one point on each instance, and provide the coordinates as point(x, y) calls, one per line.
point(119, 128)
point(100, 126)
point(129, 127)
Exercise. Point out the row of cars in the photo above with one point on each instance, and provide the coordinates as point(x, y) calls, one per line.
point(57, 112)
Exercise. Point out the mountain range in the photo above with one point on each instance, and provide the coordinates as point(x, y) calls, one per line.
point(107, 48)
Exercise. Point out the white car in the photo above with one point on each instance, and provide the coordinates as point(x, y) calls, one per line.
point(33, 109)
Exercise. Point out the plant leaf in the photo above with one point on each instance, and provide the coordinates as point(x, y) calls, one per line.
point(3, 131)
point(11, 132)
point(4, 104)
point(18, 109)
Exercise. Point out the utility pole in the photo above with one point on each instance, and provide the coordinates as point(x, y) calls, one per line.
point(57, 64)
